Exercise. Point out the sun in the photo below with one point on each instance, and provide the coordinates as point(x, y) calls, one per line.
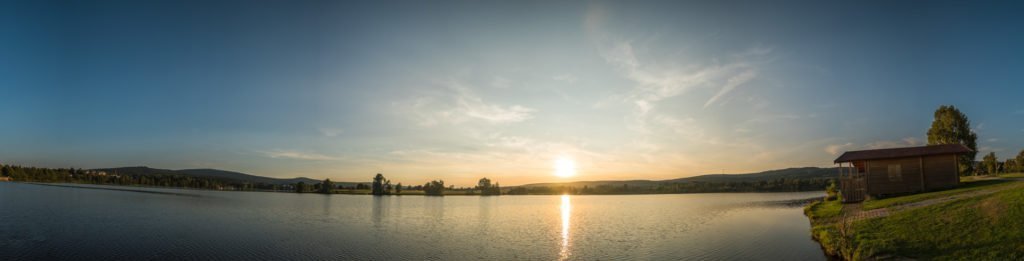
point(565, 167)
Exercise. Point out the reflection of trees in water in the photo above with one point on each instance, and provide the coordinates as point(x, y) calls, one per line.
point(433, 207)
point(379, 211)
point(484, 215)
point(327, 206)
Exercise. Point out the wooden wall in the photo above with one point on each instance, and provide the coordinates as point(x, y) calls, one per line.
point(940, 172)
point(878, 182)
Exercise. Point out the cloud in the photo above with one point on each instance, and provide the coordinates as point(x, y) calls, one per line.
point(456, 104)
point(886, 144)
point(330, 132)
point(834, 149)
point(471, 105)
point(291, 154)
point(731, 84)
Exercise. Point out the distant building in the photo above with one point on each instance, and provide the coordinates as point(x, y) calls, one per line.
point(883, 172)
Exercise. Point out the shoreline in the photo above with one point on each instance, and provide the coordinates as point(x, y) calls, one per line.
point(127, 188)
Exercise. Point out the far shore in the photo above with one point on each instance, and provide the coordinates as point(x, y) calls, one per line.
point(128, 188)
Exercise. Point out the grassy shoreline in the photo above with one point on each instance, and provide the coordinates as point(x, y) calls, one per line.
point(980, 220)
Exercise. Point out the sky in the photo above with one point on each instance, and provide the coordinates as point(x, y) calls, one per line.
point(507, 90)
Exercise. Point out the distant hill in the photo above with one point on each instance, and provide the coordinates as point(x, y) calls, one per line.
point(217, 174)
point(806, 173)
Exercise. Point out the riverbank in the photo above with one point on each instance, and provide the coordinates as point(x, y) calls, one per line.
point(981, 219)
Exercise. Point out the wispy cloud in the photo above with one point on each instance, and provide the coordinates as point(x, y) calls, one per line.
point(731, 84)
point(291, 154)
point(457, 103)
point(835, 149)
point(471, 105)
point(330, 132)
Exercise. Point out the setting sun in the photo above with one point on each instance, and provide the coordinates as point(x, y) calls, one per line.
point(565, 167)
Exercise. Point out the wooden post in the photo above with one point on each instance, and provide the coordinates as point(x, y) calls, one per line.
point(867, 177)
point(956, 166)
point(920, 161)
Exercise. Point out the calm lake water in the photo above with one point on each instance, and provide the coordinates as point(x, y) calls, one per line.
point(47, 222)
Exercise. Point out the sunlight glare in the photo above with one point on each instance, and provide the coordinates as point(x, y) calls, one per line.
point(565, 167)
point(566, 210)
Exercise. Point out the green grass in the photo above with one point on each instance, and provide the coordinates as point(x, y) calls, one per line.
point(989, 227)
point(983, 227)
point(967, 186)
point(823, 229)
point(1012, 175)
point(823, 209)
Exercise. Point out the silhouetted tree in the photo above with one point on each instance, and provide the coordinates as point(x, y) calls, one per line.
point(398, 188)
point(327, 187)
point(300, 187)
point(485, 187)
point(434, 188)
point(951, 126)
point(378, 185)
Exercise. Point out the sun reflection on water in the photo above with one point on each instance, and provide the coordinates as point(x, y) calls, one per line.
point(566, 209)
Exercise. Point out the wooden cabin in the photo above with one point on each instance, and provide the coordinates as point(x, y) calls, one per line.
point(897, 171)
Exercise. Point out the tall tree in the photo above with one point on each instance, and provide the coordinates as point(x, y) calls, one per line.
point(327, 187)
point(1020, 161)
point(990, 163)
point(485, 187)
point(378, 184)
point(1010, 165)
point(434, 188)
point(951, 126)
point(300, 187)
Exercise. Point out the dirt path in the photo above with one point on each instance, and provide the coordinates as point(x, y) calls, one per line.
point(855, 212)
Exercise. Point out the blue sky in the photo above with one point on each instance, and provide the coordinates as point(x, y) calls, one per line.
point(462, 90)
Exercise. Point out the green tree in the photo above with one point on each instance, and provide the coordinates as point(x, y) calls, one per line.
point(1020, 162)
point(951, 126)
point(1010, 165)
point(327, 187)
point(485, 187)
point(378, 185)
point(398, 188)
point(434, 188)
point(300, 187)
point(990, 164)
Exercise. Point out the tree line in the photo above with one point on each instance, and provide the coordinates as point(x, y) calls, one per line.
point(773, 185)
point(83, 176)
point(381, 186)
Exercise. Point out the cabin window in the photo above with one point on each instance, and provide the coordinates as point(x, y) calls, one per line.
point(895, 172)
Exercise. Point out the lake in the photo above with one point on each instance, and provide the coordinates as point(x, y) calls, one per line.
point(49, 222)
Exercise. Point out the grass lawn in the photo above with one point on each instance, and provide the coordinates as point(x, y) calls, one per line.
point(1012, 175)
point(824, 209)
point(966, 186)
point(989, 227)
point(982, 227)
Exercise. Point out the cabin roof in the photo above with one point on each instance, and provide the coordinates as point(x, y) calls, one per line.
point(857, 155)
